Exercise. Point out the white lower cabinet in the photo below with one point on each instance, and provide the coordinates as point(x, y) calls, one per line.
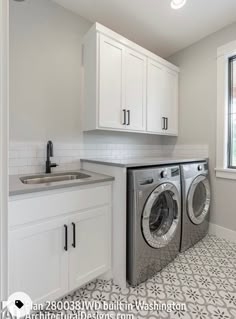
point(90, 253)
point(38, 264)
point(52, 256)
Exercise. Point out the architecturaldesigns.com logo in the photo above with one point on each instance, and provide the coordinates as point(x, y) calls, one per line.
point(17, 306)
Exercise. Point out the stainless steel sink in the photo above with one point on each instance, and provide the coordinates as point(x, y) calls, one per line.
point(52, 178)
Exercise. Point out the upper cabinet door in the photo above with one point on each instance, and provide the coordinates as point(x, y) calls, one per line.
point(155, 98)
point(162, 99)
point(111, 55)
point(135, 90)
point(171, 101)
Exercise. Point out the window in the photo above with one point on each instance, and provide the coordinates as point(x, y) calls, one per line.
point(232, 113)
point(226, 112)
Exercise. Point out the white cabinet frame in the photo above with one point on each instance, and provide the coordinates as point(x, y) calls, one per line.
point(4, 106)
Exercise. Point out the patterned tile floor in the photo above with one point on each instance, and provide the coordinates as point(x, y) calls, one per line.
point(203, 279)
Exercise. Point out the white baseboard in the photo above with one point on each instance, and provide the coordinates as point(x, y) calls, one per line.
point(107, 276)
point(222, 232)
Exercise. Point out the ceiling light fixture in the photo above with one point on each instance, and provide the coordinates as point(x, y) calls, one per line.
point(177, 4)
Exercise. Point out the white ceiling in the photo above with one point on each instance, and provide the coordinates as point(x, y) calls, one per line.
point(153, 24)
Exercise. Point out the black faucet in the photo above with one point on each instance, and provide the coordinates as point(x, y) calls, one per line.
point(49, 165)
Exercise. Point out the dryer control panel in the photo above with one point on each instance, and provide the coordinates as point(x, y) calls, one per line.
point(190, 170)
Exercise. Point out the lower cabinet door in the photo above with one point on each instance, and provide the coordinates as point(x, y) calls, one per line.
point(90, 253)
point(38, 261)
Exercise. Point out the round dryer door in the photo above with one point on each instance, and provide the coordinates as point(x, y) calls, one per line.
point(198, 201)
point(161, 215)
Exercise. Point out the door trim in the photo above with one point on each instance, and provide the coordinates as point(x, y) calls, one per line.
point(4, 103)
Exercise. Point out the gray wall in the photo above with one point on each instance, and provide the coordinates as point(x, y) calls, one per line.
point(198, 98)
point(45, 59)
point(45, 73)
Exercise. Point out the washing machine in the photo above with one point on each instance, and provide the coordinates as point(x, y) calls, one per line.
point(153, 220)
point(196, 199)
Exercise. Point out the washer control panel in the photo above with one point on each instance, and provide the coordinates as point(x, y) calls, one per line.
point(172, 172)
point(145, 178)
point(175, 171)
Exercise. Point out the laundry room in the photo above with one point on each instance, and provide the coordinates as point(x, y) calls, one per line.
point(118, 159)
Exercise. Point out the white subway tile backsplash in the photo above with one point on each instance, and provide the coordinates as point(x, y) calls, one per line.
point(29, 158)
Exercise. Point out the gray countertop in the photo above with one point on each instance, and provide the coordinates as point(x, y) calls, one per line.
point(143, 161)
point(16, 187)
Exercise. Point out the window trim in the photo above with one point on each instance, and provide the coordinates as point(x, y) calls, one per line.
point(229, 136)
point(224, 53)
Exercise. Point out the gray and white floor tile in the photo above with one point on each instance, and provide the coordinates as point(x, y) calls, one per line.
point(203, 279)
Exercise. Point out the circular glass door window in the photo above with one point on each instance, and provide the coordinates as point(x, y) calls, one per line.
point(161, 215)
point(199, 198)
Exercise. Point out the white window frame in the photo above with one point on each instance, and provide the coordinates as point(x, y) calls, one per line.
point(223, 55)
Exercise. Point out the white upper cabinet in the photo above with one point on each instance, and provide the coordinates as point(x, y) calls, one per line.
point(170, 104)
point(135, 69)
point(126, 87)
point(162, 99)
point(155, 98)
point(110, 83)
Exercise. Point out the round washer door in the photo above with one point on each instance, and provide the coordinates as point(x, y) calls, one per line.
point(198, 200)
point(161, 215)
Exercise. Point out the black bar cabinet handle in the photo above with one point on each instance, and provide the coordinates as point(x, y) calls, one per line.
point(74, 235)
point(164, 123)
point(66, 238)
point(128, 112)
point(124, 122)
point(167, 123)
